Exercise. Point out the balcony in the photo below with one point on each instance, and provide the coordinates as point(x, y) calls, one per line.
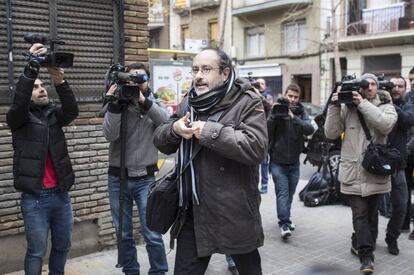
point(184, 6)
point(247, 7)
point(382, 26)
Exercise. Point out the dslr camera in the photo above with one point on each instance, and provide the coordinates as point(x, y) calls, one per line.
point(349, 84)
point(127, 82)
point(253, 81)
point(51, 58)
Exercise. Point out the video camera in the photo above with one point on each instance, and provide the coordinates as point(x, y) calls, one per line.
point(281, 109)
point(384, 84)
point(52, 58)
point(253, 81)
point(349, 84)
point(127, 82)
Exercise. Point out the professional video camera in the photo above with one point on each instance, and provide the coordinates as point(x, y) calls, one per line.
point(349, 84)
point(52, 58)
point(127, 82)
point(281, 109)
point(384, 84)
point(253, 81)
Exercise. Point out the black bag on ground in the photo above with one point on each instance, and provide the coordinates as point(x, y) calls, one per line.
point(162, 204)
point(317, 198)
point(315, 183)
point(379, 159)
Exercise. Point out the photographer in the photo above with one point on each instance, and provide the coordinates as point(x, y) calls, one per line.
point(145, 113)
point(288, 122)
point(362, 188)
point(398, 139)
point(41, 166)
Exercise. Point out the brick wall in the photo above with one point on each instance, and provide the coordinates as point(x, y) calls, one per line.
point(88, 150)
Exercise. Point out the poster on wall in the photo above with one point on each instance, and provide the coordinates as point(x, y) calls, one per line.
point(170, 80)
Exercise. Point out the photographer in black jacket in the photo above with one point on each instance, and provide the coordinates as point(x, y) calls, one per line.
point(41, 166)
point(287, 124)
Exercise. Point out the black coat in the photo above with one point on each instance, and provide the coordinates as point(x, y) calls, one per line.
point(399, 134)
point(37, 130)
point(286, 136)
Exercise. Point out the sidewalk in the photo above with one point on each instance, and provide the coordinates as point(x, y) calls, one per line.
point(322, 236)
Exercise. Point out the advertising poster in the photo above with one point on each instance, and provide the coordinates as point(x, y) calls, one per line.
point(170, 80)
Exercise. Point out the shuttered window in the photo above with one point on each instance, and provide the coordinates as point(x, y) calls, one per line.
point(89, 28)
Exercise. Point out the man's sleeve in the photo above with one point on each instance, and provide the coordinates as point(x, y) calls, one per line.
point(69, 109)
point(157, 112)
point(246, 142)
point(334, 124)
point(405, 116)
point(304, 123)
point(19, 110)
point(382, 119)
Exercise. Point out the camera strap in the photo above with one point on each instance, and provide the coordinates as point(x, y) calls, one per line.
point(364, 126)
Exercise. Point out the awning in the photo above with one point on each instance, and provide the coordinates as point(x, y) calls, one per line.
point(263, 70)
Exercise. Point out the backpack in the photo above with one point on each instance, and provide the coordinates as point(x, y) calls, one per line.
point(315, 183)
point(317, 198)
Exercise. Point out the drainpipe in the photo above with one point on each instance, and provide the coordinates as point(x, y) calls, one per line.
point(9, 46)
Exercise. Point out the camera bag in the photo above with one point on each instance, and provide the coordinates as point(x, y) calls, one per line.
point(379, 159)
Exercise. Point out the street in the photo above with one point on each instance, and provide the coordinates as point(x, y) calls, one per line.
point(322, 237)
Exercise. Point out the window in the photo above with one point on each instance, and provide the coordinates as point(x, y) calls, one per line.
point(294, 37)
point(185, 34)
point(255, 42)
point(213, 32)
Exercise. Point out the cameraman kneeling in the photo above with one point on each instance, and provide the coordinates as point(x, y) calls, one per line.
point(41, 166)
point(287, 124)
point(362, 188)
point(144, 114)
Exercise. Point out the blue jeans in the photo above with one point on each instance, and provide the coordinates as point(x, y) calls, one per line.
point(41, 213)
point(286, 178)
point(136, 190)
point(264, 172)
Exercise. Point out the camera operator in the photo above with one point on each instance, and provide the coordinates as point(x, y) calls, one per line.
point(145, 113)
point(362, 188)
point(287, 127)
point(41, 166)
point(398, 139)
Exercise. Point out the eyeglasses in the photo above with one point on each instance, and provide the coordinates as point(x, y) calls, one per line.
point(204, 70)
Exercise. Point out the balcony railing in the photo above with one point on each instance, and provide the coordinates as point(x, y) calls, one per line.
point(390, 18)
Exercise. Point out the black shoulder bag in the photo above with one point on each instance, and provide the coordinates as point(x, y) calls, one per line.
point(379, 159)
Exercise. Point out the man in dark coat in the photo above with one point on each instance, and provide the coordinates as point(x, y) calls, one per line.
point(220, 129)
point(41, 166)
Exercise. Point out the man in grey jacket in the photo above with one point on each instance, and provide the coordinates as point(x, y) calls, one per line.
point(144, 114)
point(362, 188)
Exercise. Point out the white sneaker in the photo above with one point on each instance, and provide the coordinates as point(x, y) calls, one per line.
point(292, 226)
point(285, 231)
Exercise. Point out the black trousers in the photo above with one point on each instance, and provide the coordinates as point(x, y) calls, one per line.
point(398, 200)
point(365, 222)
point(409, 179)
point(187, 262)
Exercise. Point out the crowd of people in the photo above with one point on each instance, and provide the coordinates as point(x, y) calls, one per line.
point(223, 130)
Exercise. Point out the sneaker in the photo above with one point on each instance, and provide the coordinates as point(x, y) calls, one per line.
point(367, 265)
point(285, 231)
point(411, 236)
point(354, 249)
point(392, 246)
point(292, 226)
point(263, 191)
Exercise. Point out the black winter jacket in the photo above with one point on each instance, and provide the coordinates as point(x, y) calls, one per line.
point(399, 134)
point(286, 137)
point(37, 130)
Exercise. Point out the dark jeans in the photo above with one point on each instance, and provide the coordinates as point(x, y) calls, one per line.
point(40, 213)
point(187, 262)
point(136, 190)
point(365, 222)
point(398, 200)
point(286, 178)
point(264, 173)
point(409, 179)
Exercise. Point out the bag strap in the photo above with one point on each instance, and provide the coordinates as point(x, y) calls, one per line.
point(364, 126)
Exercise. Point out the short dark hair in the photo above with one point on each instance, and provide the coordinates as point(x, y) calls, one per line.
point(138, 66)
point(223, 58)
point(400, 77)
point(411, 71)
point(293, 87)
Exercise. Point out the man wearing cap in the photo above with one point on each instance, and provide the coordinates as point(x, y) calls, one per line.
point(362, 188)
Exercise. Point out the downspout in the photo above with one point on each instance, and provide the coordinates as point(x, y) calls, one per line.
point(121, 32)
point(10, 46)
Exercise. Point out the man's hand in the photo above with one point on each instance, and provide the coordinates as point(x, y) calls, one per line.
point(180, 127)
point(111, 90)
point(56, 74)
point(141, 98)
point(197, 127)
point(356, 98)
point(334, 98)
point(38, 49)
point(291, 115)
